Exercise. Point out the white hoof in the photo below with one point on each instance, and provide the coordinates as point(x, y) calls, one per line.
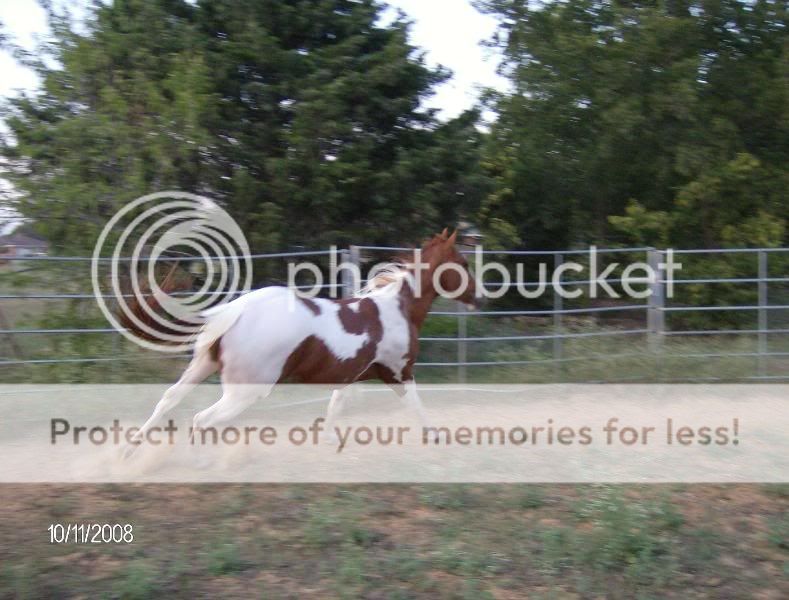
point(430, 436)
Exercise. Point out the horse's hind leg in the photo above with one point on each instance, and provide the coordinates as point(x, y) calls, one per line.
point(235, 400)
point(202, 366)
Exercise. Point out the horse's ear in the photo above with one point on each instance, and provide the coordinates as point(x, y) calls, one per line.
point(453, 237)
point(445, 233)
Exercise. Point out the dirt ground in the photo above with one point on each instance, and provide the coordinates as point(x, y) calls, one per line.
point(400, 541)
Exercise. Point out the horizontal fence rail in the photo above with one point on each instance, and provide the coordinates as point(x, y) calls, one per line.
point(655, 312)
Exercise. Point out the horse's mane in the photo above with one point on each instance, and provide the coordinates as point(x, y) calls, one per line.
point(395, 271)
point(386, 275)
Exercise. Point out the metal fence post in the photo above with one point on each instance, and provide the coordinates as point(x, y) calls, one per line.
point(762, 326)
point(116, 349)
point(350, 256)
point(462, 334)
point(349, 288)
point(558, 306)
point(657, 301)
point(345, 277)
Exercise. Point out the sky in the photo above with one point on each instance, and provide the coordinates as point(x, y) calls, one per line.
point(450, 31)
point(22, 20)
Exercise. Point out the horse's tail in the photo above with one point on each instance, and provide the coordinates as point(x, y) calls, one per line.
point(217, 320)
point(140, 321)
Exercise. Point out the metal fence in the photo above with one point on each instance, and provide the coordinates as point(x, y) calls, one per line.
point(649, 324)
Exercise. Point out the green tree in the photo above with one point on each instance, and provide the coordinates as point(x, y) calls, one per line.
point(669, 117)
point(304, 118)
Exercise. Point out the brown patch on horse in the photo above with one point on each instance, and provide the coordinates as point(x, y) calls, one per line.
point(311, 304)
point(215, 351)
point(386, 375)
point(313, 362)
point(365, 319)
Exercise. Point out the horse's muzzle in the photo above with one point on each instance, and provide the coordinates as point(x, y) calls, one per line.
point(476, 304)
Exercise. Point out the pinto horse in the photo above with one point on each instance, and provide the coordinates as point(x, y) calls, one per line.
point(273, 335)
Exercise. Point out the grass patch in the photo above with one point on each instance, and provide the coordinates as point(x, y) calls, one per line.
point(449, 497)
point(224, 557)
point(417, 541)
point(63, 506)
point(138, 581)
point(778, 534)
point(18, 580)
point(779, 490)
point(636, 540)
point(332, 523)
point(531, 497)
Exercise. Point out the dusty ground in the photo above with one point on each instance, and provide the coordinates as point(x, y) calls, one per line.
point(398, 541)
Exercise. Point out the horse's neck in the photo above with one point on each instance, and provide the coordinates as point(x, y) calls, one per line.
point(420, 308)
point(417, 306)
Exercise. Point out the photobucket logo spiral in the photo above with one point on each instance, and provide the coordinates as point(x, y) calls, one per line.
point(178, 228)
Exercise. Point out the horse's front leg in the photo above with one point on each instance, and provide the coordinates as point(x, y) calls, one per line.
point(414, 402)
point(406, 391)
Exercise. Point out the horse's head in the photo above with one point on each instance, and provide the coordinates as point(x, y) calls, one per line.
point(449, 269)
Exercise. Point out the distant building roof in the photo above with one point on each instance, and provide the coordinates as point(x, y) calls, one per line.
point(23, 240)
